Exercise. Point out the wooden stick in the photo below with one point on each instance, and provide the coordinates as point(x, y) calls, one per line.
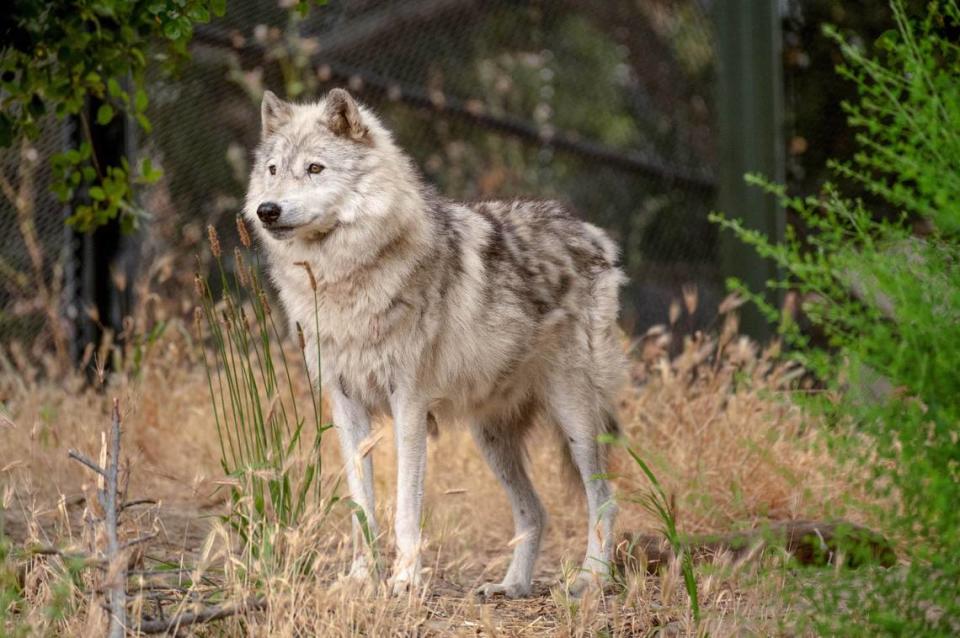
point(108, 498)
point(115, 559)
point(76, 456)
point(138, 540)
point(139, 501)
point(808, 542)
point(209, 614)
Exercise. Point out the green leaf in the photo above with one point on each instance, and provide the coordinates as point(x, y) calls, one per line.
point(199, 13)
point(149, 174)
point(114, 88)
point(104, 114)
point(172, 30)
point(144, 123)
point(97, 194)
point(140, 100)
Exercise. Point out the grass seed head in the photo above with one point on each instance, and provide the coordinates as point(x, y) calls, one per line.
point(262, 296)
point(306, 266)
point(243, 232)
point(242, 278)
point(300, 339)
point(214, 241)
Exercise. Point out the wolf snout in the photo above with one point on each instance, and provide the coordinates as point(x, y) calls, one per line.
point(268, 212)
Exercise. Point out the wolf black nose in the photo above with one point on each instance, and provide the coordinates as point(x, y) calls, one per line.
point(268, 212)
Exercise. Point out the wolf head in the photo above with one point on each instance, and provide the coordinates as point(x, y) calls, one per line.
point(322, 167)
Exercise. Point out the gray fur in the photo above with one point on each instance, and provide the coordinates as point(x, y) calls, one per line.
point(496, 313)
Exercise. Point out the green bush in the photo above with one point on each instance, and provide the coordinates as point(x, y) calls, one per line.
point(56, 56)
point(880, 281)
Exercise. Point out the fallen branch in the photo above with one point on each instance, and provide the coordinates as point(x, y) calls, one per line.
point(114, 559)
point(138, 541)
point(48, 550)
point(139, 501)
point(209, 614)
point(808, 542)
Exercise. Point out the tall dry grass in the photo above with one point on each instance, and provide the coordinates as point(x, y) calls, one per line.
point(715, 424)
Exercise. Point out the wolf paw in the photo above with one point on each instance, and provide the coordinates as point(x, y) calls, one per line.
point(361, 572)
point(404, 581)
point(588, 582)
point(507, 590)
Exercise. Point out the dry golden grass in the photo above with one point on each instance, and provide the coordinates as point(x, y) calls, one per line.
point(715, 424)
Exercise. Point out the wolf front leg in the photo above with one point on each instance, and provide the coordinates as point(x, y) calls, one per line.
point(353, 429)
point(410, 427)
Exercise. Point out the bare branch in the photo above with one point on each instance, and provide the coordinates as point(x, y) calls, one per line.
point(139, 501)
point(49, 550)
point(77, 456)
point(118, 590)
point(207, 615)
point(138, 541)
point(9, 191)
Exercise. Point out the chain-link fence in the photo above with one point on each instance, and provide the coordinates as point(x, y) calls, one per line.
point(603, 104)
point(606, 104)
point(34, 257)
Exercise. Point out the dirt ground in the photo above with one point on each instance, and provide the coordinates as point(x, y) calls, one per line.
point(730, 449)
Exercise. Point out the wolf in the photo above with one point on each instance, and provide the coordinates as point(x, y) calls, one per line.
point(495, 314)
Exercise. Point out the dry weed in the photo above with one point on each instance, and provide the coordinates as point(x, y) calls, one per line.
point(715, 423)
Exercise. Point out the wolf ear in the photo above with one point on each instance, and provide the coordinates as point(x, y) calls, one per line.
point(274, 113)
point(343, 115)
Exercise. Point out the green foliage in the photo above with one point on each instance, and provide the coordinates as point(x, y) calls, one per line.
point(887, 300)
point(269, 446)
point(57, 55)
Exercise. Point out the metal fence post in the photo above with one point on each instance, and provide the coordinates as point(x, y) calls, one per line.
point(750, 109)
point(97, 303)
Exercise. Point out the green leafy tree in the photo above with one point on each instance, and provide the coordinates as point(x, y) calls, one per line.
point(885, 292)
point(57, 55)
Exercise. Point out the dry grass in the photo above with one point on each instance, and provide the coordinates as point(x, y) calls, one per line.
point(715, 425)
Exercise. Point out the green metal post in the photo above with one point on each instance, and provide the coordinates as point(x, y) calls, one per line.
point(750, 109)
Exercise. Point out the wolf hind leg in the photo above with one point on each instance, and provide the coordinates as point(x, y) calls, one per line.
point(501, 443)
point(577, 407)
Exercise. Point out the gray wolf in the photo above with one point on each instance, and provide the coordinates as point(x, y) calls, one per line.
point(497, 314)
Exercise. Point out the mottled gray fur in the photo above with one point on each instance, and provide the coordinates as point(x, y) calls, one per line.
point(497, 314)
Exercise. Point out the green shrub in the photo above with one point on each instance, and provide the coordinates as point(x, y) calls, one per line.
point(880, 282)
point(56, 56)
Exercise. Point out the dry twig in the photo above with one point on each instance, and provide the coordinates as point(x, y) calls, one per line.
point(109, 500)
point(215, 612)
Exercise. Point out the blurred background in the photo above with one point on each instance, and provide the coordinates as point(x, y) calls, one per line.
point(642, 114)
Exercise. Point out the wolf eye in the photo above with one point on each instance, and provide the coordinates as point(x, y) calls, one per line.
point(315, 169)
point(273, 169)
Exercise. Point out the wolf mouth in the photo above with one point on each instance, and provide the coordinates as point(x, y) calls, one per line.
point(287, 232)
point(281, 232)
